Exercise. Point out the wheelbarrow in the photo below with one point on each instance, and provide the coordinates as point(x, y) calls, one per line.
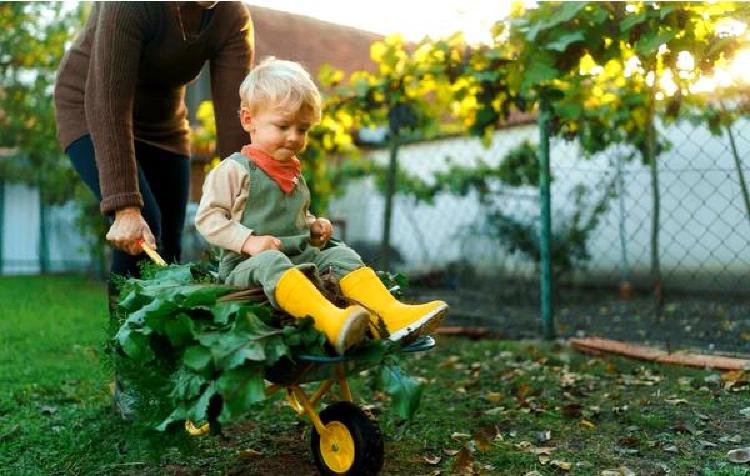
point(344, 439)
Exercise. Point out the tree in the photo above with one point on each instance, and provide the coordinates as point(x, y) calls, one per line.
point(605, 66)
point(33, 37)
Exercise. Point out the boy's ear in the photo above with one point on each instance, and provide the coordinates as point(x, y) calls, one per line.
point(246, 119)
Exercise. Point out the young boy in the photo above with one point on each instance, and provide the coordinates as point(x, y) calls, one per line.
point(255, 207)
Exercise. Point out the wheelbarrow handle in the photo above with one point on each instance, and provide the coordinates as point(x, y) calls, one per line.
point(152, 253)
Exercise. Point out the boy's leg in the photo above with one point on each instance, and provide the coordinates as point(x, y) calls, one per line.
point(289, 289)
point(264, 270)
point(341, 259)
point(360, 284)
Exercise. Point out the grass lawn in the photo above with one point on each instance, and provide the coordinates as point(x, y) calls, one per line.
point(490, 407)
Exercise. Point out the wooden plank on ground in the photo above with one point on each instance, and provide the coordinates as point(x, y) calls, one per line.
point(641, 352)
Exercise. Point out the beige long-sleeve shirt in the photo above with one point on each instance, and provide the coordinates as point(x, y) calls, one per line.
point(219, 215)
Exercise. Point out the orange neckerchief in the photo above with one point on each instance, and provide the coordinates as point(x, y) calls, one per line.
point(284, 172)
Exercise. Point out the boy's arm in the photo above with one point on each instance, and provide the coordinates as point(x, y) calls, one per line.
point(219, 213)
point(309, 218)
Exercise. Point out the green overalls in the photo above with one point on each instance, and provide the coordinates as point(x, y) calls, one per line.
point(270, 211)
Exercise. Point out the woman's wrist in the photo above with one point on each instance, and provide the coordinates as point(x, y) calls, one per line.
point(127, 211)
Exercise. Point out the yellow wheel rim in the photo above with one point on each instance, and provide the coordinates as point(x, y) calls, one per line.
point(337, 447)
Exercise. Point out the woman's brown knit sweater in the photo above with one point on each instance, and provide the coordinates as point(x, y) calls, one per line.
point(124, 78)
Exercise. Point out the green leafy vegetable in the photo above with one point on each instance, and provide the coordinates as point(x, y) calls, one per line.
point(191, 352)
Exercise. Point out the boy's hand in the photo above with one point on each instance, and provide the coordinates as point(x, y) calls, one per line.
point(320, 231)
point(128, 229)
point(255, 245)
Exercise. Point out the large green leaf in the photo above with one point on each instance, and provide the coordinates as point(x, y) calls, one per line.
point(196, 357)
point(540, 69)
point(562, 41)
point(198, 411)
point(632, 20)
point(567, 11)
point(240, 389)
point(178, 414)
point(135, 345)
point(180, 330)
point(405, 391)
point(186, 384)
point(649, 43)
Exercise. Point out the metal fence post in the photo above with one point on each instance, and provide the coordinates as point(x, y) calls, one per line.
point(390, 190)
point(545, 238)
point(651, 157)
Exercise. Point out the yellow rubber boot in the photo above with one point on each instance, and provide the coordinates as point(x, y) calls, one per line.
point(403, 321)
point(296, 295)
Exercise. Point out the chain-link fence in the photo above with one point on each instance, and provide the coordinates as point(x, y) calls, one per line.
point(478, 244)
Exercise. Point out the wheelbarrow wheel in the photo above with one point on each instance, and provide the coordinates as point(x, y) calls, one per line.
point(353, 444)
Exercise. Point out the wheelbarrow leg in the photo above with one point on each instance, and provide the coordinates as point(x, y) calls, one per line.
point(346, 393)
point(306, 407)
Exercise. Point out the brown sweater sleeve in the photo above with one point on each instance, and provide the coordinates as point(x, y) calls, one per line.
point(110, 89)
point(229, 66)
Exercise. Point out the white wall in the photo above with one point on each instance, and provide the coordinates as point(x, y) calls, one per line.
point(21, 235)
point(704, 226)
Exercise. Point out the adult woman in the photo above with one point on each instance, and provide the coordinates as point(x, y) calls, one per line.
point(119, 101)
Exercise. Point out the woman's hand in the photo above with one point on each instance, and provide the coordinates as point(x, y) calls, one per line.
point(320, 231)
point(127, 231)
point(255, 245)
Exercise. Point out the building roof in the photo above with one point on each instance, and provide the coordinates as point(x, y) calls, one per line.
point(310, 41)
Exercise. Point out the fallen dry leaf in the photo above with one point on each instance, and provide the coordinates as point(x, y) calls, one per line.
point(249, 453)
point(459, 436)
point(572, 410)
point(621, 471)
point(734, 376)
point(432, 459)
point(731, 439)
point(739, 455)
point(587, 424)
point(559, 464)
point(494, 396)
point(524, 445)
point(463, 463)
point(449, 452)
point(543, 450)
point(676, 401)
point(483, 437)
point(543, 436)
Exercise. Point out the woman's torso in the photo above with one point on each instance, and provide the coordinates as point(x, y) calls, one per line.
point(168, 61)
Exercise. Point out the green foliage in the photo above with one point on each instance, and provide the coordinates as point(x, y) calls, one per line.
point(406, 390)
point(33, 36)
point(191, 355)
point(569, 235)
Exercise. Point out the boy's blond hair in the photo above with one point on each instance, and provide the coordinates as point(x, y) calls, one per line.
point(280, 83)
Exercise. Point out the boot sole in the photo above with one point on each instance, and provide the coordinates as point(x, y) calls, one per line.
point(353, 330)
point(425, 324)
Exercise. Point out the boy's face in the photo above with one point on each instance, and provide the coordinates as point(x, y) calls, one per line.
point(278, 132)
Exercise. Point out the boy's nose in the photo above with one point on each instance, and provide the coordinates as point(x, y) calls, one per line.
point(294, 136)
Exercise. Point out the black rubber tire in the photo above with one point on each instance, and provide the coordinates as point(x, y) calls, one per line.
point(368, 441)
